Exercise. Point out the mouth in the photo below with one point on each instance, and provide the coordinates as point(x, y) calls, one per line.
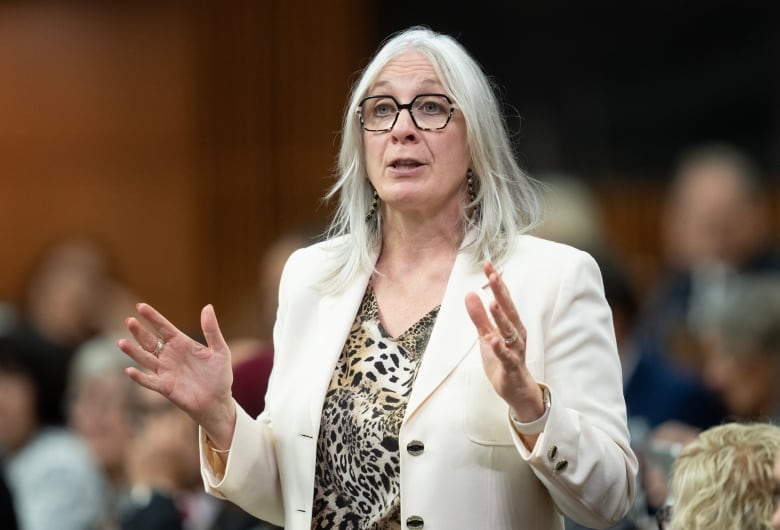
point(405, 163)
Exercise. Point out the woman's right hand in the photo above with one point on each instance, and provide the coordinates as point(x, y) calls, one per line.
point(194, 377)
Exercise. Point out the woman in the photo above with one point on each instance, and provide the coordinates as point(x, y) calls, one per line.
point(412, 386)
point(723, 479)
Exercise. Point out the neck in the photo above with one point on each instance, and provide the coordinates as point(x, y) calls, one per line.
point(414, 244)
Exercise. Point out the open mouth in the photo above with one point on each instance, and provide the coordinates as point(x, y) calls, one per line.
point(405, 164)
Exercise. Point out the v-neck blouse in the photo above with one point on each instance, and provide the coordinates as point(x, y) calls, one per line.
point(358, 462)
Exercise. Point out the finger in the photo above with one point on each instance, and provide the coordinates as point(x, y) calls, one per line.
point(137, 353)
point(505, 327)
point(145, 338)
point(211, 331)
point(478, 315)
point(159, 323)
point(503, 297)
point(142, 378)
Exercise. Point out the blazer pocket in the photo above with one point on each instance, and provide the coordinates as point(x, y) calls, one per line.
point(486, 413)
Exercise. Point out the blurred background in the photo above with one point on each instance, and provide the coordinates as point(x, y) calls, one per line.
point(185, 137)
point(176, 152)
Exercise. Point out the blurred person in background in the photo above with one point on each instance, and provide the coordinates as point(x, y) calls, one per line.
point(656, 391)
point(63, 305)
point(741, 341)
point(8, 519)
point(102, 410)
point(715, 225)
point(572, 214)
point(163, 472)
point(723, 479)
point(54, 481)
point(776, 493)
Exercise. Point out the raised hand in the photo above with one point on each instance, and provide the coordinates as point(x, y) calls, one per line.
point(502, 345)
point(196, 378)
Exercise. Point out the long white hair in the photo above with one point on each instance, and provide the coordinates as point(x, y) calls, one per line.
point(506, 202)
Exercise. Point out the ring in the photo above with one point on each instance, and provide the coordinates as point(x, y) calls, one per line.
point(511, 339)
point(158, 347)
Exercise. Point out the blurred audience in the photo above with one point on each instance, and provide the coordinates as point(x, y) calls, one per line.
point(723, 479)
point(666, 405)
point(776, 493)
point(102, 411)
point(163, 470)
point(51, 475)
point(741, 340)
point(572, 214)
point(715, 224)
point(7, 511)
point(65, 302)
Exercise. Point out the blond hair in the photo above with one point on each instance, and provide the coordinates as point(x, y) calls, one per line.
point(723, 480)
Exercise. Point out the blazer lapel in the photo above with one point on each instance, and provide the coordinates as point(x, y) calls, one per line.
point(453, 334)
point(336, 316)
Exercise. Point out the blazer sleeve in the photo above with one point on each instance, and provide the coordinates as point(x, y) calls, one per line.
point(251, 477)
point(583, 456)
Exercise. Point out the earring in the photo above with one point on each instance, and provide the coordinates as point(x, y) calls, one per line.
point(372, 209)
point(471, 186)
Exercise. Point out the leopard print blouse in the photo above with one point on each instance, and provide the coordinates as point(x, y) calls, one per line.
point(357, 486)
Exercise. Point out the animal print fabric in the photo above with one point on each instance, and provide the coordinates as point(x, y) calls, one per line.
point(357, 486)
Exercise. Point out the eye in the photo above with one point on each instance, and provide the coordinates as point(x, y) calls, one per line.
point(432, 105)
point(383, 109)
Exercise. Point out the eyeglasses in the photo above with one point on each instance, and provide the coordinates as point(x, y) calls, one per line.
point(663, 515)
point(429, 112)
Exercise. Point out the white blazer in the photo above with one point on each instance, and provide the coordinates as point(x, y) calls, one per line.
point(474, 472)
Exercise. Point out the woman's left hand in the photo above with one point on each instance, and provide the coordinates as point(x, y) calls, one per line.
point(502, 344)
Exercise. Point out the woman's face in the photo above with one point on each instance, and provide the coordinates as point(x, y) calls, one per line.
point(414, 171)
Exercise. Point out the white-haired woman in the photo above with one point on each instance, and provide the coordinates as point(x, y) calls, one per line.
point(434, 367)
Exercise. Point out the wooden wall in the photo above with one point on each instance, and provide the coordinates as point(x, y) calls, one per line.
point(184, 135)
point(188, 135)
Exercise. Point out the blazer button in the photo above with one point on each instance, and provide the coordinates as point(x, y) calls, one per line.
point(552, 454)
point(560, 466)
point(415, 447)
point(415, 522)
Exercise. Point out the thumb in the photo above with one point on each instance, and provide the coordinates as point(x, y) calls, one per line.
point(211, 331)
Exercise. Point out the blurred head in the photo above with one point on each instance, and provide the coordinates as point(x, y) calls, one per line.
point(101, 402)
point(64, 293)
point(776, 494)
point(19, 396)
point(505, 199)
point(742, 345)
point(571, 213)
point(723, 479)
point(715, 211)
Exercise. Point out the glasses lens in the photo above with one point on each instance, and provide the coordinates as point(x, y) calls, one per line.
point(431, 111)
point(378, 113)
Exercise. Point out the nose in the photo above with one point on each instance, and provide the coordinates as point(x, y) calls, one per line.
point(404, 128)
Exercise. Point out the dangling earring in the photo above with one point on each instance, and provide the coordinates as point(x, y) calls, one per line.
point(471, 186)
point(374, 204)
